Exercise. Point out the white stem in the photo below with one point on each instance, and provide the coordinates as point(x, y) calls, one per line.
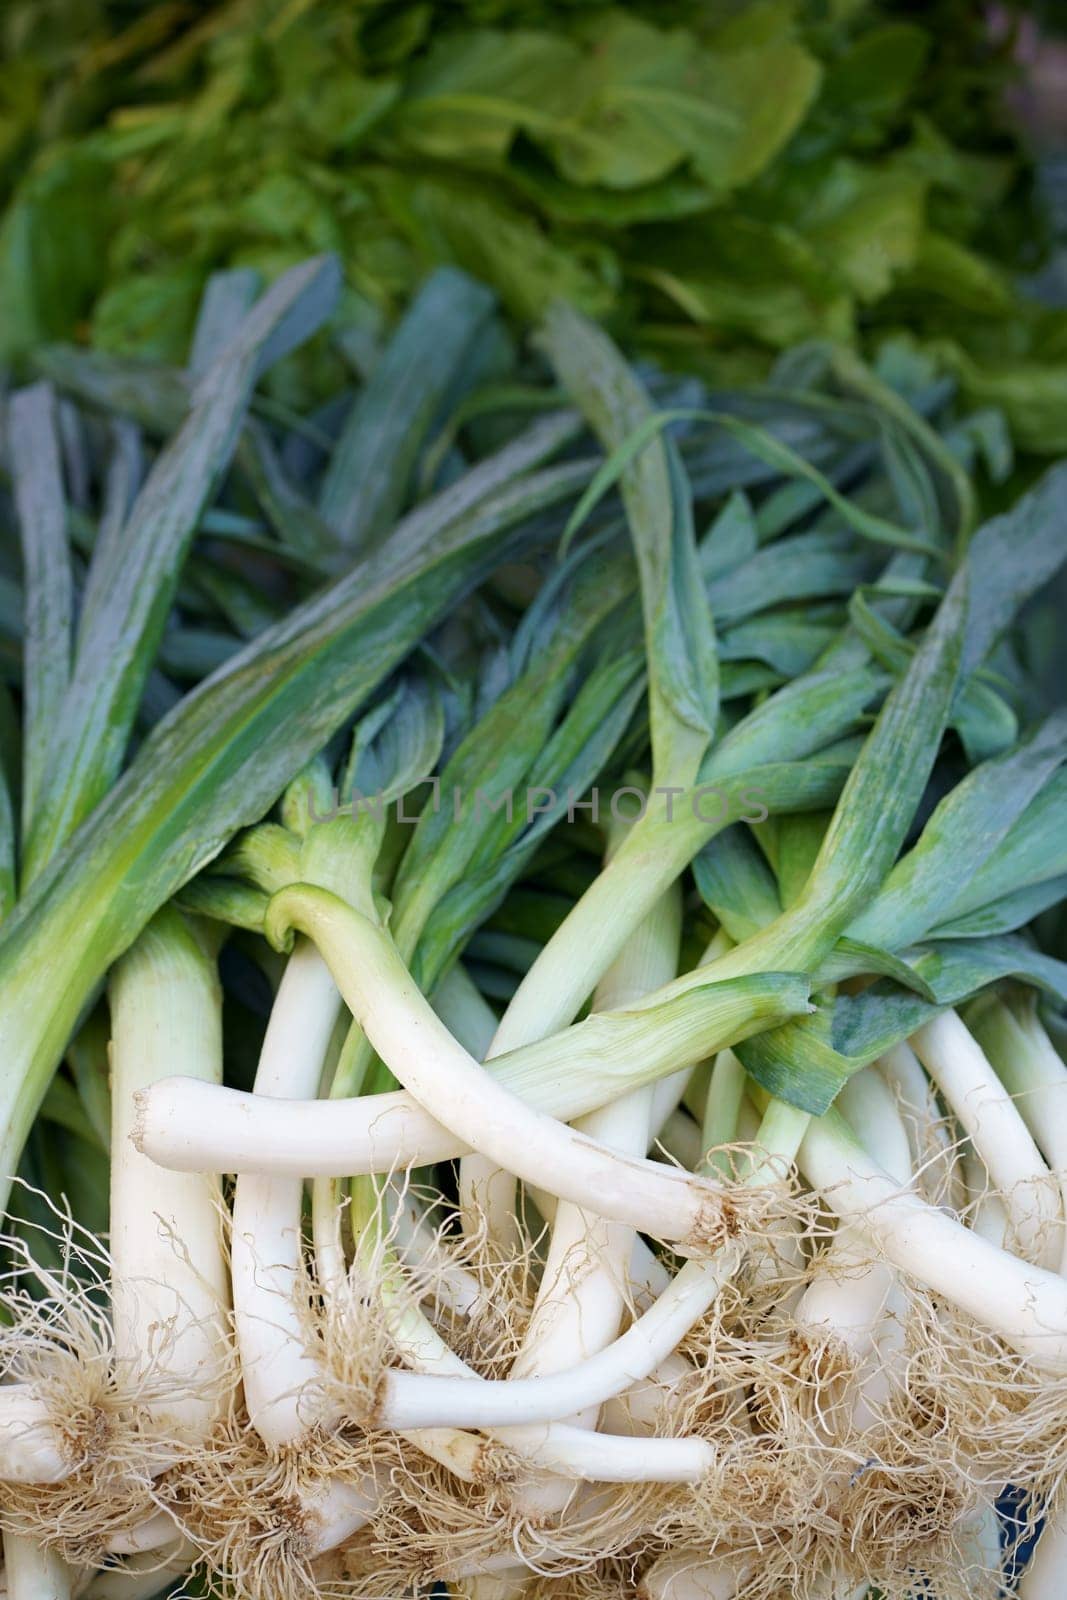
point(582, 1452)
point(679, 1140)
point(33, 1573)
point(1033, 1073)
point(848, 1292)
point(581, 1300)
point(582, 1296)
point(647, 1277)
point(1031, 1069)
point(933, 1153)
point(410, 1400)
point(957, 1064)
point(1045, 1577)
point(414, 1400)
point(486, 1194)
point(281, 1377)
point(30, 1448)
point(888, 1356)
point(454, 1088)
point(1025, 1304)
point(747, 1122)
point(496, 1577)
point(327, 1239)
point(335, 1511)
point(575, 1452)
point(722, 1109)
point(641, 1408)
point(542, 1005)
point(988, 1215)
point(154, 1531)
point(452, 1285)
point(169, 1282)
point(195, 1127)
point(870, 1107)
point(142, 1576)
point(465, 1012)
point(690, 1575)
point(666, 1097)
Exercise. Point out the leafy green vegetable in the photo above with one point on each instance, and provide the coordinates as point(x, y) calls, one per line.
point(723, 185)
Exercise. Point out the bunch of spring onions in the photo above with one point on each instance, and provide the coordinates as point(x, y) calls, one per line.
point(565, 1013)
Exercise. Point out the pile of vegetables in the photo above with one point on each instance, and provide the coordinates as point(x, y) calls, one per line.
point(717, 182)
point(530, 996)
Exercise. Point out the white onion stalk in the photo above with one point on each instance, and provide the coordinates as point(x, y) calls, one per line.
point(401, 1025)
point(679, 1140)
point(957, 1064)
point(487, 1190)
point(640, 1409)
point(647, 1276)
point(1032, 1072)
point(32, 1572)
point(334, 1511)
point(566, 971)
point(726, 1090)
point(848, 1291)
point(1025, 1304)
point(1031, 1069)
point(281, 1376)
point(31, 1450)
point(1045, 1577)
point(987, 1213)
point(582, 1296)
point(194, 1127)
point(154, 1532)
point(933, 1149)
point(407, 1399)
point(168, 1278)
point(484, 1191)
point(690, 1575)
point(452, 1286)
point(850, 1297)
point(570, 1451)
point(169, 1283)
point(142, 1576)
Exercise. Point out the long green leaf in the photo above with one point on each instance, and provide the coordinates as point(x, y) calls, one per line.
point(370, 472)
point(40, 502)
point(116, 646)
point(679, 634)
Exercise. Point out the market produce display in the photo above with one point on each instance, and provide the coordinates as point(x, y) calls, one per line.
point(531, 970)
point(533, 769)
point(717, 181)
